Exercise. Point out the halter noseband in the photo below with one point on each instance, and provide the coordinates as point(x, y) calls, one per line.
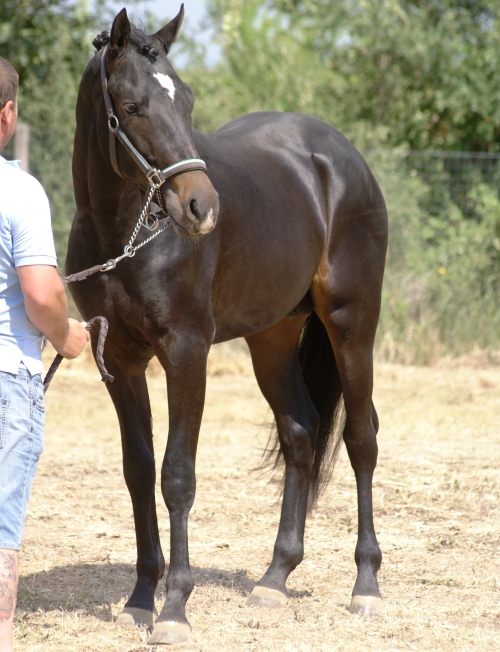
point(155, 177)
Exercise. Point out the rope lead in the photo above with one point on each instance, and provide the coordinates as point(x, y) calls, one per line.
point(102, 324)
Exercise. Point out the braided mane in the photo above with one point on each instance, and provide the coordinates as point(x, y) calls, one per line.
point(101, 40)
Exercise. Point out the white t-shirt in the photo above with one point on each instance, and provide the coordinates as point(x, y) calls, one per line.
point(25, 239)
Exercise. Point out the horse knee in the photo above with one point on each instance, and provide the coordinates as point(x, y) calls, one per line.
point(178, 485)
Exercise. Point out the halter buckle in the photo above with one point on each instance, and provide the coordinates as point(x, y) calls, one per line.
point(155, 178)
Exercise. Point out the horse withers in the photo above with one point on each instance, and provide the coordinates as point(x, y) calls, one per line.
point(291, 259)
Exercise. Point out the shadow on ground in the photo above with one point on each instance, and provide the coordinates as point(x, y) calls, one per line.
point(87, 588)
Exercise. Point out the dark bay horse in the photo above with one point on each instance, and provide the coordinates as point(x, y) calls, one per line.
point(291, 259)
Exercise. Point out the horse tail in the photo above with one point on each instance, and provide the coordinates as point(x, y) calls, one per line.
point(322, 380)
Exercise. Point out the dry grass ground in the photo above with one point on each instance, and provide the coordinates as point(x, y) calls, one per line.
point(436, 497)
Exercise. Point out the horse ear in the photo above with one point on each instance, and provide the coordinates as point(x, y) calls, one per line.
point(120, 33)
point(168, 34)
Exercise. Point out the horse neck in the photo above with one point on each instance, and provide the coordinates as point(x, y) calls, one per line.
point(107, 205)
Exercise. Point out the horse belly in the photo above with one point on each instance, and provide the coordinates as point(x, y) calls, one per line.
point(264, 282)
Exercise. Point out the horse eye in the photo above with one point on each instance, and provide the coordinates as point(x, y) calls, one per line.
point(131, 108)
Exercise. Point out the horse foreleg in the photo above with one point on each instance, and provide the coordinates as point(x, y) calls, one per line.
point(131, 400)
point(277, 369)
point(184, 358)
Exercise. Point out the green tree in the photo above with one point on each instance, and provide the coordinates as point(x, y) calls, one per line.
point(264, 66)
point(428, 71)
point(424, 74)
point(48, 43)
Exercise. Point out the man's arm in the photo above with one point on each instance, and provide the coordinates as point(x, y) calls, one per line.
point(47, 309)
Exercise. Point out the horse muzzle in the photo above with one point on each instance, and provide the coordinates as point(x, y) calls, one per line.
point(194, 207)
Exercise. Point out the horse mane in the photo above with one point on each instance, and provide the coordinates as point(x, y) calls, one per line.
point(139, 38)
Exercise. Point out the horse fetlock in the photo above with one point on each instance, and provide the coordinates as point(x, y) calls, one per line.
point(179, 588)
point(287, 556)
point(368, 557)
point(150, 571)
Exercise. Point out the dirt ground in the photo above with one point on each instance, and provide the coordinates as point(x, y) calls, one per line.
point(436, 499)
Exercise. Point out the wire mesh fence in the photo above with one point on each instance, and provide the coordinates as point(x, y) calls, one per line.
point(441, 180)
point(452, 176)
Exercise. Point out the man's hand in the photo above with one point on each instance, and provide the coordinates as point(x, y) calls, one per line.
point(78, 336)
point(47, 309)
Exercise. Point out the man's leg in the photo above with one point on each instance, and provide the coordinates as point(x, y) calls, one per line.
point(22, 416)
point(9, 574)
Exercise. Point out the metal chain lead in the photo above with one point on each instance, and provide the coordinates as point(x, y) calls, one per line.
point(134, 249)
point(129, 250)
point(143, 216)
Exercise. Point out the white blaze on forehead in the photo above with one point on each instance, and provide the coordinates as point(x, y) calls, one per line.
point(167, 83)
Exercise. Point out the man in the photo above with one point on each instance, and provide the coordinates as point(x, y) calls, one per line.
point(32, 305)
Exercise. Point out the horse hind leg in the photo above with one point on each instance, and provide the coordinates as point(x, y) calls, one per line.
point(351, 325)
point(278, 372)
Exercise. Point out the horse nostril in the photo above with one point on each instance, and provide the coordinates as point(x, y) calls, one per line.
point(194, 210)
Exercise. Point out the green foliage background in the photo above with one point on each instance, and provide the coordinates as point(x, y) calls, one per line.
point(393, 75)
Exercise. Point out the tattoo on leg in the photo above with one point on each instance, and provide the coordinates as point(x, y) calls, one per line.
point(9, 576)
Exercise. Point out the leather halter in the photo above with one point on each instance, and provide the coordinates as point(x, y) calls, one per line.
point(155, 177)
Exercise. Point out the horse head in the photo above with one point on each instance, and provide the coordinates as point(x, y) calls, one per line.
point(153, 108)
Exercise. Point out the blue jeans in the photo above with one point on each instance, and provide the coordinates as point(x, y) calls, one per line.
point(22, 419)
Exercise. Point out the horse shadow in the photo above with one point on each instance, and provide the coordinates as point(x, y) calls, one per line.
point(92, 589)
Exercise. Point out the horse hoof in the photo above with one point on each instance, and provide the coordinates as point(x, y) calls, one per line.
point(367, 605)
point(135, 617)
point(266, 598)
point(168, 632)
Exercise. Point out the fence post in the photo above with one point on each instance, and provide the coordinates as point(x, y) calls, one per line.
point(22, 145)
